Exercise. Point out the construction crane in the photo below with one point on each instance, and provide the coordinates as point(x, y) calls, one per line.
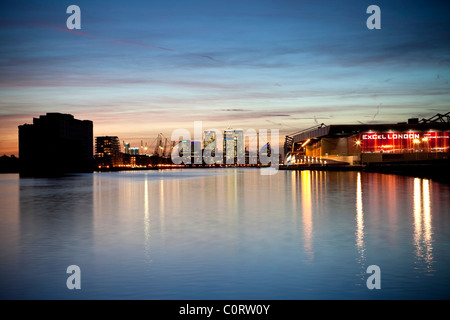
point(444, 118)
point(158, 147)
point(163, 148)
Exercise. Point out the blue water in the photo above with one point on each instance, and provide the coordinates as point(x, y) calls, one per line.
point(224, 234)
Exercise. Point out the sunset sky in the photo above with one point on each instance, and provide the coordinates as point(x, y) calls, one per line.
point(138, 68)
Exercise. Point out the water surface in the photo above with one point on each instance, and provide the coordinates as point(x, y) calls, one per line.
point(224, 234)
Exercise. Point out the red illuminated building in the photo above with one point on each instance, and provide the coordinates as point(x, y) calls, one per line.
point(369, 143)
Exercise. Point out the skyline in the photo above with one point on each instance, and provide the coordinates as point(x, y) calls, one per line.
point(137, 71)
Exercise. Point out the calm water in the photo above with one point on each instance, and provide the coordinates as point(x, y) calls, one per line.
point(224, 234)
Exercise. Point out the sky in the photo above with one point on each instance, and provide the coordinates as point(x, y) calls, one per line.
point(139, 68)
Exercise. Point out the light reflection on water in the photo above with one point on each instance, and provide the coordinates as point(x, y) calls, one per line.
point(224, 234)
point(307, 213)
point(423, 241)
point(359, 234)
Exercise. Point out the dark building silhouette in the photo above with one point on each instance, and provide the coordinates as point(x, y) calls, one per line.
point(9, 164)
point(56, 144)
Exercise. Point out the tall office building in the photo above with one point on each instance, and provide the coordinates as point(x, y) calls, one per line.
point(213, 147)
point(134, 151)
point(209, 137)
point(55, 144)
point(107, 151)
point(234, 146)
point(126, 147)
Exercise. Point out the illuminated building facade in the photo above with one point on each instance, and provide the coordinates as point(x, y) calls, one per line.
point(56, 144)
point(369, 143)
point(190, 151)
point(234, 146)
point(107, 151)
point(127, 148)
point(210, 136)
point(134, 151)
